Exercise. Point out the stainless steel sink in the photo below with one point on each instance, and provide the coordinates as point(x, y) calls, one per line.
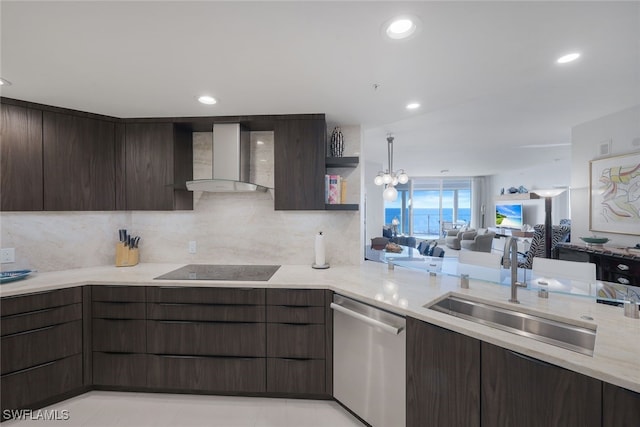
point(566, 335)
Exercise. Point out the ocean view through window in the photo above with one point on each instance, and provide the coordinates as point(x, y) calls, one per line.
point(426, 205)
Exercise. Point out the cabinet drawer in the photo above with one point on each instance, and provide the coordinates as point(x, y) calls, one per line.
point(118, 293)
point(210, 338)
point(38, 319)
point(294, 314)
point(119, 369)
point(297, 341)
point(31, 348)
point(119, 335)
point(118, 310)
point(250, 296)
point(25, 388)
point(40, 300)
point(304, 297)
point(297, 376)
point(206, 312)
point(215, 374)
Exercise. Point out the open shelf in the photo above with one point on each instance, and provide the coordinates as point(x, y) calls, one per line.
point(342, 162)
point(518, 196)
point(342, 207)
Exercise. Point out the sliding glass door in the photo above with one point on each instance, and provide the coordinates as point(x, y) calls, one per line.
point(427, 206)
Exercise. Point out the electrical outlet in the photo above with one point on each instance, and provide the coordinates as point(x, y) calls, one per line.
point(7, 255)
point(192, 246)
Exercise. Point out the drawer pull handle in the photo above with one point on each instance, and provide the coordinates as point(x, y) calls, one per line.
point(624, 280)
point(623, 267)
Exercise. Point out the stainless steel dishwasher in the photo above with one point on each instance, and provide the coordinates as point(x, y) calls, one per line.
point(369, 363)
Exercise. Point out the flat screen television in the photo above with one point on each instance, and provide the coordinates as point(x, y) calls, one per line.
point(509, 215)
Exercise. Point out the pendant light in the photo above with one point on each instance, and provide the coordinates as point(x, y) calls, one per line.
point(389, 178)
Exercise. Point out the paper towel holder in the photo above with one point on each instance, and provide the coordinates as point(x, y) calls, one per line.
point(319, 246)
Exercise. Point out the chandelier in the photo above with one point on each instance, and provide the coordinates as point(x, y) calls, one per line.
point(389, 178)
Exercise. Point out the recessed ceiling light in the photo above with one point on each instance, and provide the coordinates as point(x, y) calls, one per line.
point(260, 142)
point(4, 82)
point(444, 171)
point(568, 58)
point(401, 27)
point(413, 106)
point(206, 99)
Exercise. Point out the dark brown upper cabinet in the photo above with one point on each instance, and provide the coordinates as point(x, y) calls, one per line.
point(299, 151)
point(157, 164)
point(79, 162)
point(21, 159)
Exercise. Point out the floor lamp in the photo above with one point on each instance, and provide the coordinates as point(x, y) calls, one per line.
point(548, 229)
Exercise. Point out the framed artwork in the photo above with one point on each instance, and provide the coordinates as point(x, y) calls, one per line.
point(615, 194)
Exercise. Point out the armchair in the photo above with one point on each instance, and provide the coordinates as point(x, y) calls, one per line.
point(559, 234)
point(454, 236)
point(481, 242)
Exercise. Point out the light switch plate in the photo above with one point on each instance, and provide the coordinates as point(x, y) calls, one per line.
point(7, 255)
point(192, 246)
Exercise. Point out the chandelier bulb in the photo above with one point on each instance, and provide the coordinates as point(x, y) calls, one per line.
point(390, 194)
point(378, 180)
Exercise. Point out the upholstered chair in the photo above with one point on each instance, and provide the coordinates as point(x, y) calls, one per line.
point(482, 242)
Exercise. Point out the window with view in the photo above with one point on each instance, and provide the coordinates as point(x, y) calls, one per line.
point(427, 206)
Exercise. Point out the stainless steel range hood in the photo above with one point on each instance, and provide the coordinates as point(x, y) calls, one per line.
point(231, 162)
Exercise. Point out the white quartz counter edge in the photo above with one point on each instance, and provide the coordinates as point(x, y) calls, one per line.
point(616, 357)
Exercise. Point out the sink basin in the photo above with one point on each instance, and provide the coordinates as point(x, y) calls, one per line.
point(566, 335)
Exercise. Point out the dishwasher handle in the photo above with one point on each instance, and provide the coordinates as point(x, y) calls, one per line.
point(366, 319)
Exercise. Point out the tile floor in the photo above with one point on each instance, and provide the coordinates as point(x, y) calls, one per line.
point(118, 409)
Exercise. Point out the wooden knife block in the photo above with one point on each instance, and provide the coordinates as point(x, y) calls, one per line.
point(125, 256)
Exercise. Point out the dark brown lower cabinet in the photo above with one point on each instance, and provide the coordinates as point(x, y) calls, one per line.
point(620, 407)
point(118, 339)
point(299, 342)
point(521, 391)
point(296, 376)
point(443, 377)
point(29, 387)
point(41, 349)
point(207, 374)
point(119, 369)
point(205, 338)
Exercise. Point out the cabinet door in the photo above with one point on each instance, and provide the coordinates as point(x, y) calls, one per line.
point(149, 166)
point(443, 377)
point(21, 159)
point(525, 392)
point(299, 164)
point(158, 163)
point(79, 163)
point(620, 407)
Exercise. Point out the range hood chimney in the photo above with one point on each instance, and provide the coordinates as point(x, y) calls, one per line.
point(231, 162)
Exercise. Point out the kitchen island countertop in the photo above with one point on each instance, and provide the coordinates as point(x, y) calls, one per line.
point(616, 357)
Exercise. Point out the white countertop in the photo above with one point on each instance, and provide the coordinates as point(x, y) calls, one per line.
point(616, 357)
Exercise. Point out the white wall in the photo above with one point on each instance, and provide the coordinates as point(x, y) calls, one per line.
point(623, 129)
point(551, 175)
point(228, 228)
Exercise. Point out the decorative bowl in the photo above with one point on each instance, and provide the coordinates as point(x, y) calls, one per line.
point(594, 240)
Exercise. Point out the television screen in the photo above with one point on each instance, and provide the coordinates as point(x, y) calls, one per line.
point(509, 216)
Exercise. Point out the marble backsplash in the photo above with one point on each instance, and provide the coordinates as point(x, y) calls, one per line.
point(227, 228)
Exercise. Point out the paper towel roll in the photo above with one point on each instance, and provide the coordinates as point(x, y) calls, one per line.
point(320, 250)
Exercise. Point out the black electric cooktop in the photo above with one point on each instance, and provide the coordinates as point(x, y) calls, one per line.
point(241, 273)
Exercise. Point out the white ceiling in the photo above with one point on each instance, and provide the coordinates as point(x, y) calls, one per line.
point(484, 72)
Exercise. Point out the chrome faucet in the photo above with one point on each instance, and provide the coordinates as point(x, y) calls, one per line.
point(513, 264)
